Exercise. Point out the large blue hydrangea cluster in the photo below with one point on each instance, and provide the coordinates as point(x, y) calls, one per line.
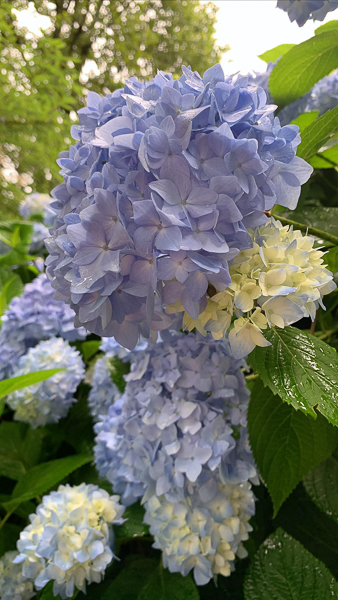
point(49, 400)
point(177, 437)
point(159, 190)
point(69, 539)
point(303, 10)
point(32, 317)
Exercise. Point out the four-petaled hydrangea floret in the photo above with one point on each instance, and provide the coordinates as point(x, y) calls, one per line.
point(104, 392)
point(70, 539)
point(13, 585)
point(49, 400)
point(182, 403)
point(159, 191)
point(200, 533)
point(277, 282)
point(303, 10)
point(33, 317)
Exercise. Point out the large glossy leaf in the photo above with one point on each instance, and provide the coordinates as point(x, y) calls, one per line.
point(90, 348)
point(275, 53)
point(318, 216)
point(130, 581)
point(7, 386)
point(163, 585)
point(302, 67)
point(133, 526)
point(318, 533)
point(322, 486)
point(315, 135)
point(301, 369)
point(330, 26)
point(44, 477)
point(284, 570)
point(286, 444)
point(20, 449)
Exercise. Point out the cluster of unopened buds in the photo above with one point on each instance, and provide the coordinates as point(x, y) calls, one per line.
point(278, 281)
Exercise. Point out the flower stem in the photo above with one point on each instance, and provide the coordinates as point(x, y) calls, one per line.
point(251, 376)
point(311, 230)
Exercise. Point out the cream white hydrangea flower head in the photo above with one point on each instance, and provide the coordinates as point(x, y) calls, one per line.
point(70, 538)
point(13, 586)
point(277, 282)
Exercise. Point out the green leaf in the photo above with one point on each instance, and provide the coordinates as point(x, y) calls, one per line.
point(89, 349)
point(119, 368)
point(305, 119)
point(134, 526)
point(163, 585)
point(301, 369)
point(331, 259)
point(7, 386)
point(275, 53)
point(315, 135)
point(44, 477)
point(302, 66)
point(20, 449)
point(322, 486)
point(129, 582)
point(284, 570)
point(10, 286)
point(330, 26)
point(285, 443)
point(9, 534)
point(321, 217)
point(301, 518)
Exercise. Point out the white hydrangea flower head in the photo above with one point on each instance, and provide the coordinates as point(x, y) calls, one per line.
point(199, 533)
point(49, 400)
point(13, 586)
point(277, 282)
point(70, 538)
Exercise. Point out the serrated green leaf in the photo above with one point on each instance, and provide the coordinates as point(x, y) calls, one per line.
point(134, 526)
point(321, 217)
point(285, 443)
point(20, 449)
point(275, 53)
point(128, 584)
point(302, 66)
point(44, 477)
point(301, 518)
point(322, 486)
point(301, 369)
point(315, 135)
point(7, 386)
point(163, 585)
point(284, 570)
point(90, 348)
point(305, 119)
point(330, 26)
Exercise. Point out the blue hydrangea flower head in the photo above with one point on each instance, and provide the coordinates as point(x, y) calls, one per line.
point(182, 400)
point(49, 400)
point(70, 539)
point(32, 317)
point(303, 10)
point(13, 585)
point(159, 190)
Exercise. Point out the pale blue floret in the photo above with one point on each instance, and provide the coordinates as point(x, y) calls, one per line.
point(13, 586)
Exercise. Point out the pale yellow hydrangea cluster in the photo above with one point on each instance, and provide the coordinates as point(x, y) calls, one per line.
point(277, 282)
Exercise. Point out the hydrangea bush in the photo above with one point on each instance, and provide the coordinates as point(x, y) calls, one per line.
point(175, 241)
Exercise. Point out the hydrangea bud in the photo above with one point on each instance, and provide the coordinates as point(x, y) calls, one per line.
point(13, 585)
point(160, 188)
point(70, 539)
point(49, 400)
point(30, 318)
point(277, 282)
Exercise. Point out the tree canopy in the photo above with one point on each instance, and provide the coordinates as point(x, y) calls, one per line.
point(88, 45)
